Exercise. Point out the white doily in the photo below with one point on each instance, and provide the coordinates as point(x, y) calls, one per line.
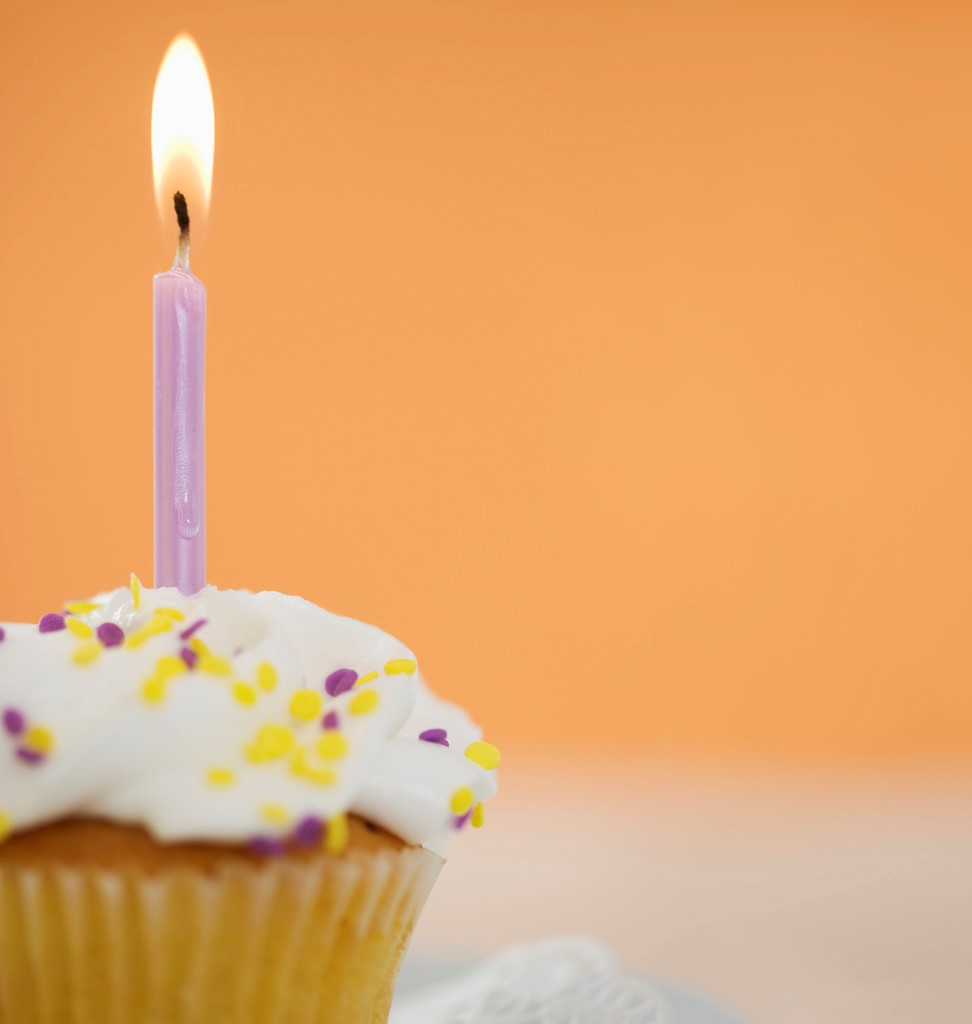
point(559, 981)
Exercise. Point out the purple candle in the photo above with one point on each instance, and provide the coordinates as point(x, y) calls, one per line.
point(180, 435)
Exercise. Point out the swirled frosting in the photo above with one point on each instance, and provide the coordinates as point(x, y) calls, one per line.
point(229, 717)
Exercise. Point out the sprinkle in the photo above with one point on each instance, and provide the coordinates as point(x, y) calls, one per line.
point(369, 677)
point(484, 754)
point(136, 588)
point(460, 820)
point(309, 831)
point(319, 776)
point(151, 628)
point(364, 702)
point(267, 846)
point(153, 691)
point(275, 814)
point(189, 630)
point(81, 607)
point(337, 833)
point(171, 613)
point(439, 736)
point(332, 746)
point(199, 646)
point(306, 704)
point(243, 693)
point(40, 739)
point(330, 720)
point(214, 665)
point(14, 721)
point(87, 652)
point(189, 656)
point(79, 628)
point(340, 681)
point(266, 676)
point(51, 622)
point(461, 800)
point(169, 665)
point(111, 634)
point(478, 816)
point(220, 777)
point(29, 756)
point(5, 826)
point(399, 667)
point(271, 741)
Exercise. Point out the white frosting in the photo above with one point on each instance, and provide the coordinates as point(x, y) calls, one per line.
point(117, 756)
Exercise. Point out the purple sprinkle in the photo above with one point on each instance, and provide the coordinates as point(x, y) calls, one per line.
point(309, 831)
point(460, 820)
point(195, 627)
point(29, 756)
point(340, 681)
point(110, 634)
point(330, 720)
point(189, 656)
point(14, 721)
point(267, 846)
point(435, 736)
point(51, 623)
point(2, 634)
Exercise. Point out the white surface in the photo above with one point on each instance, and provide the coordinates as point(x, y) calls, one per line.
point(790, 901)
point(559, 981)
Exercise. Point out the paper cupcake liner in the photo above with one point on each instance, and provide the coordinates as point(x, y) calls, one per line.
point(288, 941)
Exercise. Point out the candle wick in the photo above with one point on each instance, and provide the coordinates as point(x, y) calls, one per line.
point(182, 216)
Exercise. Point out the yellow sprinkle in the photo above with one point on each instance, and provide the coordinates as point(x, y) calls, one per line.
point(275, 814)
point(337, 834)
point(319, 776)
point(171, 613)
point(86, 653)
point(362, 703)
point(271, 741)
point(78, 627)
point(220, 777)
point(214, 665)
point(153, 690)
point(81, 607)
point(332, 746)
point(478, 816)
point(5, 826)
point(244, 693)
point(40, 739)
point(266, 676)
point(462, 800)
point(399, 667)
point(151, 628)
point(199, 646)
point(306, 704)
point(484, 754)
point(368, 677)
point(170, 665)
point(136, 586)
point(136, 638)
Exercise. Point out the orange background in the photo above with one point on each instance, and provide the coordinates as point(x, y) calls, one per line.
point(614, 355)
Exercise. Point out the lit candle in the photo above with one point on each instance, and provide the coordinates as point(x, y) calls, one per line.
point(182, 147)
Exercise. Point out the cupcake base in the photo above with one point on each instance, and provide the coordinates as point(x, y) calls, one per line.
point(99, 924)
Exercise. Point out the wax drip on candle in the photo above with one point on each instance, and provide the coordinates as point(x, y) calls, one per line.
point(182, 216)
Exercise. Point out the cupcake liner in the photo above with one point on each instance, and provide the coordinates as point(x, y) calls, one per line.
point(288, 941)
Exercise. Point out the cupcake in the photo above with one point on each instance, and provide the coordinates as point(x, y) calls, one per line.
point(222, 808)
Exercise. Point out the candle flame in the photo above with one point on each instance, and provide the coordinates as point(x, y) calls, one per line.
point(183, 130)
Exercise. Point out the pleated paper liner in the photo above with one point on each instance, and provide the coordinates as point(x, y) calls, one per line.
point(313, 940)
